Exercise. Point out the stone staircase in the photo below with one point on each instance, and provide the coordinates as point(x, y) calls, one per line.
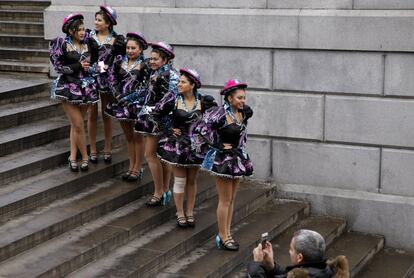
point(22, 44)
point(55, 223)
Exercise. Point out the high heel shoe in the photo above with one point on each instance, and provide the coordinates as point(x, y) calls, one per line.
point(154, 201)
point(84, 165)
point(181, 221)
point(229, 237)
point(166, 198)
point(93, 158)
point(126, 175)
point(73, 165)
point(190, 221)
point(107, 157)
point(226, 245)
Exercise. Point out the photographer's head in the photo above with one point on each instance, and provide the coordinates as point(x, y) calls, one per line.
point(307, 246)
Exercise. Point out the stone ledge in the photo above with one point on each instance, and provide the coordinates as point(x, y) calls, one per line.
point(364, 211)
point(308, 29)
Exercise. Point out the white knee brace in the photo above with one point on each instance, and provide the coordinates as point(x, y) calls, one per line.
point(179, 185)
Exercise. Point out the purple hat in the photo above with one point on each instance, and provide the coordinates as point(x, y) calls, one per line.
point(193, 75)
point(232, 85)
point(111, 13)
point(164, 47)
point(69, 20)
point(140, 37)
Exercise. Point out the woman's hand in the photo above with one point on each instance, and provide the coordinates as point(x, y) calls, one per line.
point(85, 65)
point(176, 132)
point(227, 146)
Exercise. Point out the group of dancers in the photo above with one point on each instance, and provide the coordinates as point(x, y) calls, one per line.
point(164, 116)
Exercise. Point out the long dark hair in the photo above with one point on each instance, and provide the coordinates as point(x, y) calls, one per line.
point(105, 18)
point(74, 26)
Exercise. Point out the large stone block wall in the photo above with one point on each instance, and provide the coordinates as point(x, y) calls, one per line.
point(331, 86)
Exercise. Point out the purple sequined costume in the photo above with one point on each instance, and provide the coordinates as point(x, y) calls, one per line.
point(177, 150)
point(73, 84)
point(161, 82)
point(215, 129)
point(105, 52)
point(127, 86)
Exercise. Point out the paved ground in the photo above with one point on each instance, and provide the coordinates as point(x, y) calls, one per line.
point(18, 81)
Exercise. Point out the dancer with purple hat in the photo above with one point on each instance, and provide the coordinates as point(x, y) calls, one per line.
point(174, 146)
point(128, 77)
point(75, 85)
point(163, 79)
point(106, 44)
point(221, 138)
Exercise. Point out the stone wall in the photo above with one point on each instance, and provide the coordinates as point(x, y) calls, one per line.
point(331, 84)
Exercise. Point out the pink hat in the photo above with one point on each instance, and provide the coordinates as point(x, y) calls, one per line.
point(111, 13)
point(69, 19)
point(232, 85)
point(140, 37)
point(165, 47)
point(193, 75)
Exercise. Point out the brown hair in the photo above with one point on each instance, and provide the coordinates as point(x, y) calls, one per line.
point(105, 18)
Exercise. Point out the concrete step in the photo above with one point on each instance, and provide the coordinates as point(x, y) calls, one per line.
point(26, 136)
point(72, 250)
point(330, 228)
point(18, 88)
point(14, 114)
point(21, 27)
point(27, 163)
point(168, 242)
point(8, 65)
point(359, 249)
point(24, 54)
point(23, 41)
point(208, 261)
point(390, 262)
point(36, 5)
point(23, 196)
point(31, 229)
point(21, 15)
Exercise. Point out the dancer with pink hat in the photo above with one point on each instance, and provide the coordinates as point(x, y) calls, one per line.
point(221, 138)
point(106, 44)
point(75, 86)
point(163, 79)
point(174, 146)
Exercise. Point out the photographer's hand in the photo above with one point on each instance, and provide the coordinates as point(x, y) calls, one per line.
point(258, 253)
point(268, 257)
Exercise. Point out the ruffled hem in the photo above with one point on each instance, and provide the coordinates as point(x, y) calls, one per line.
point(211, 172)
point(77, 102)
point(178, 164)
point(120, 119)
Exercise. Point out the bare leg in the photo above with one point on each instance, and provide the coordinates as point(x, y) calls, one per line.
point(126, 127)
point(139, 149)
point(151, 143)
point(191, 189)
point(75, 114)
point(179, 172)
point(224, 190)
point(107, 123)
point(92, 122)
point(166, 174)
point(234, 187)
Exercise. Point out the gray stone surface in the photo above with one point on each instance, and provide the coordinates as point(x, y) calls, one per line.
point(383, 4)
point(370, 120)
point(259, 151)
point(357, 30)
point(397, 172)
point(286, 115)
point(340, 72)
point(216, 65)
point(251, 4)
point(118, 3)
point(376, 213)
point(399, 72)
point(346, 167)
point(309, 4)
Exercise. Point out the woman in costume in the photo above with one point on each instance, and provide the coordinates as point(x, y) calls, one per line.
point(106, 44)
point(75, 85)
point(174, 146)
point(163, 79)
point(127, 78)
point(221, 136)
